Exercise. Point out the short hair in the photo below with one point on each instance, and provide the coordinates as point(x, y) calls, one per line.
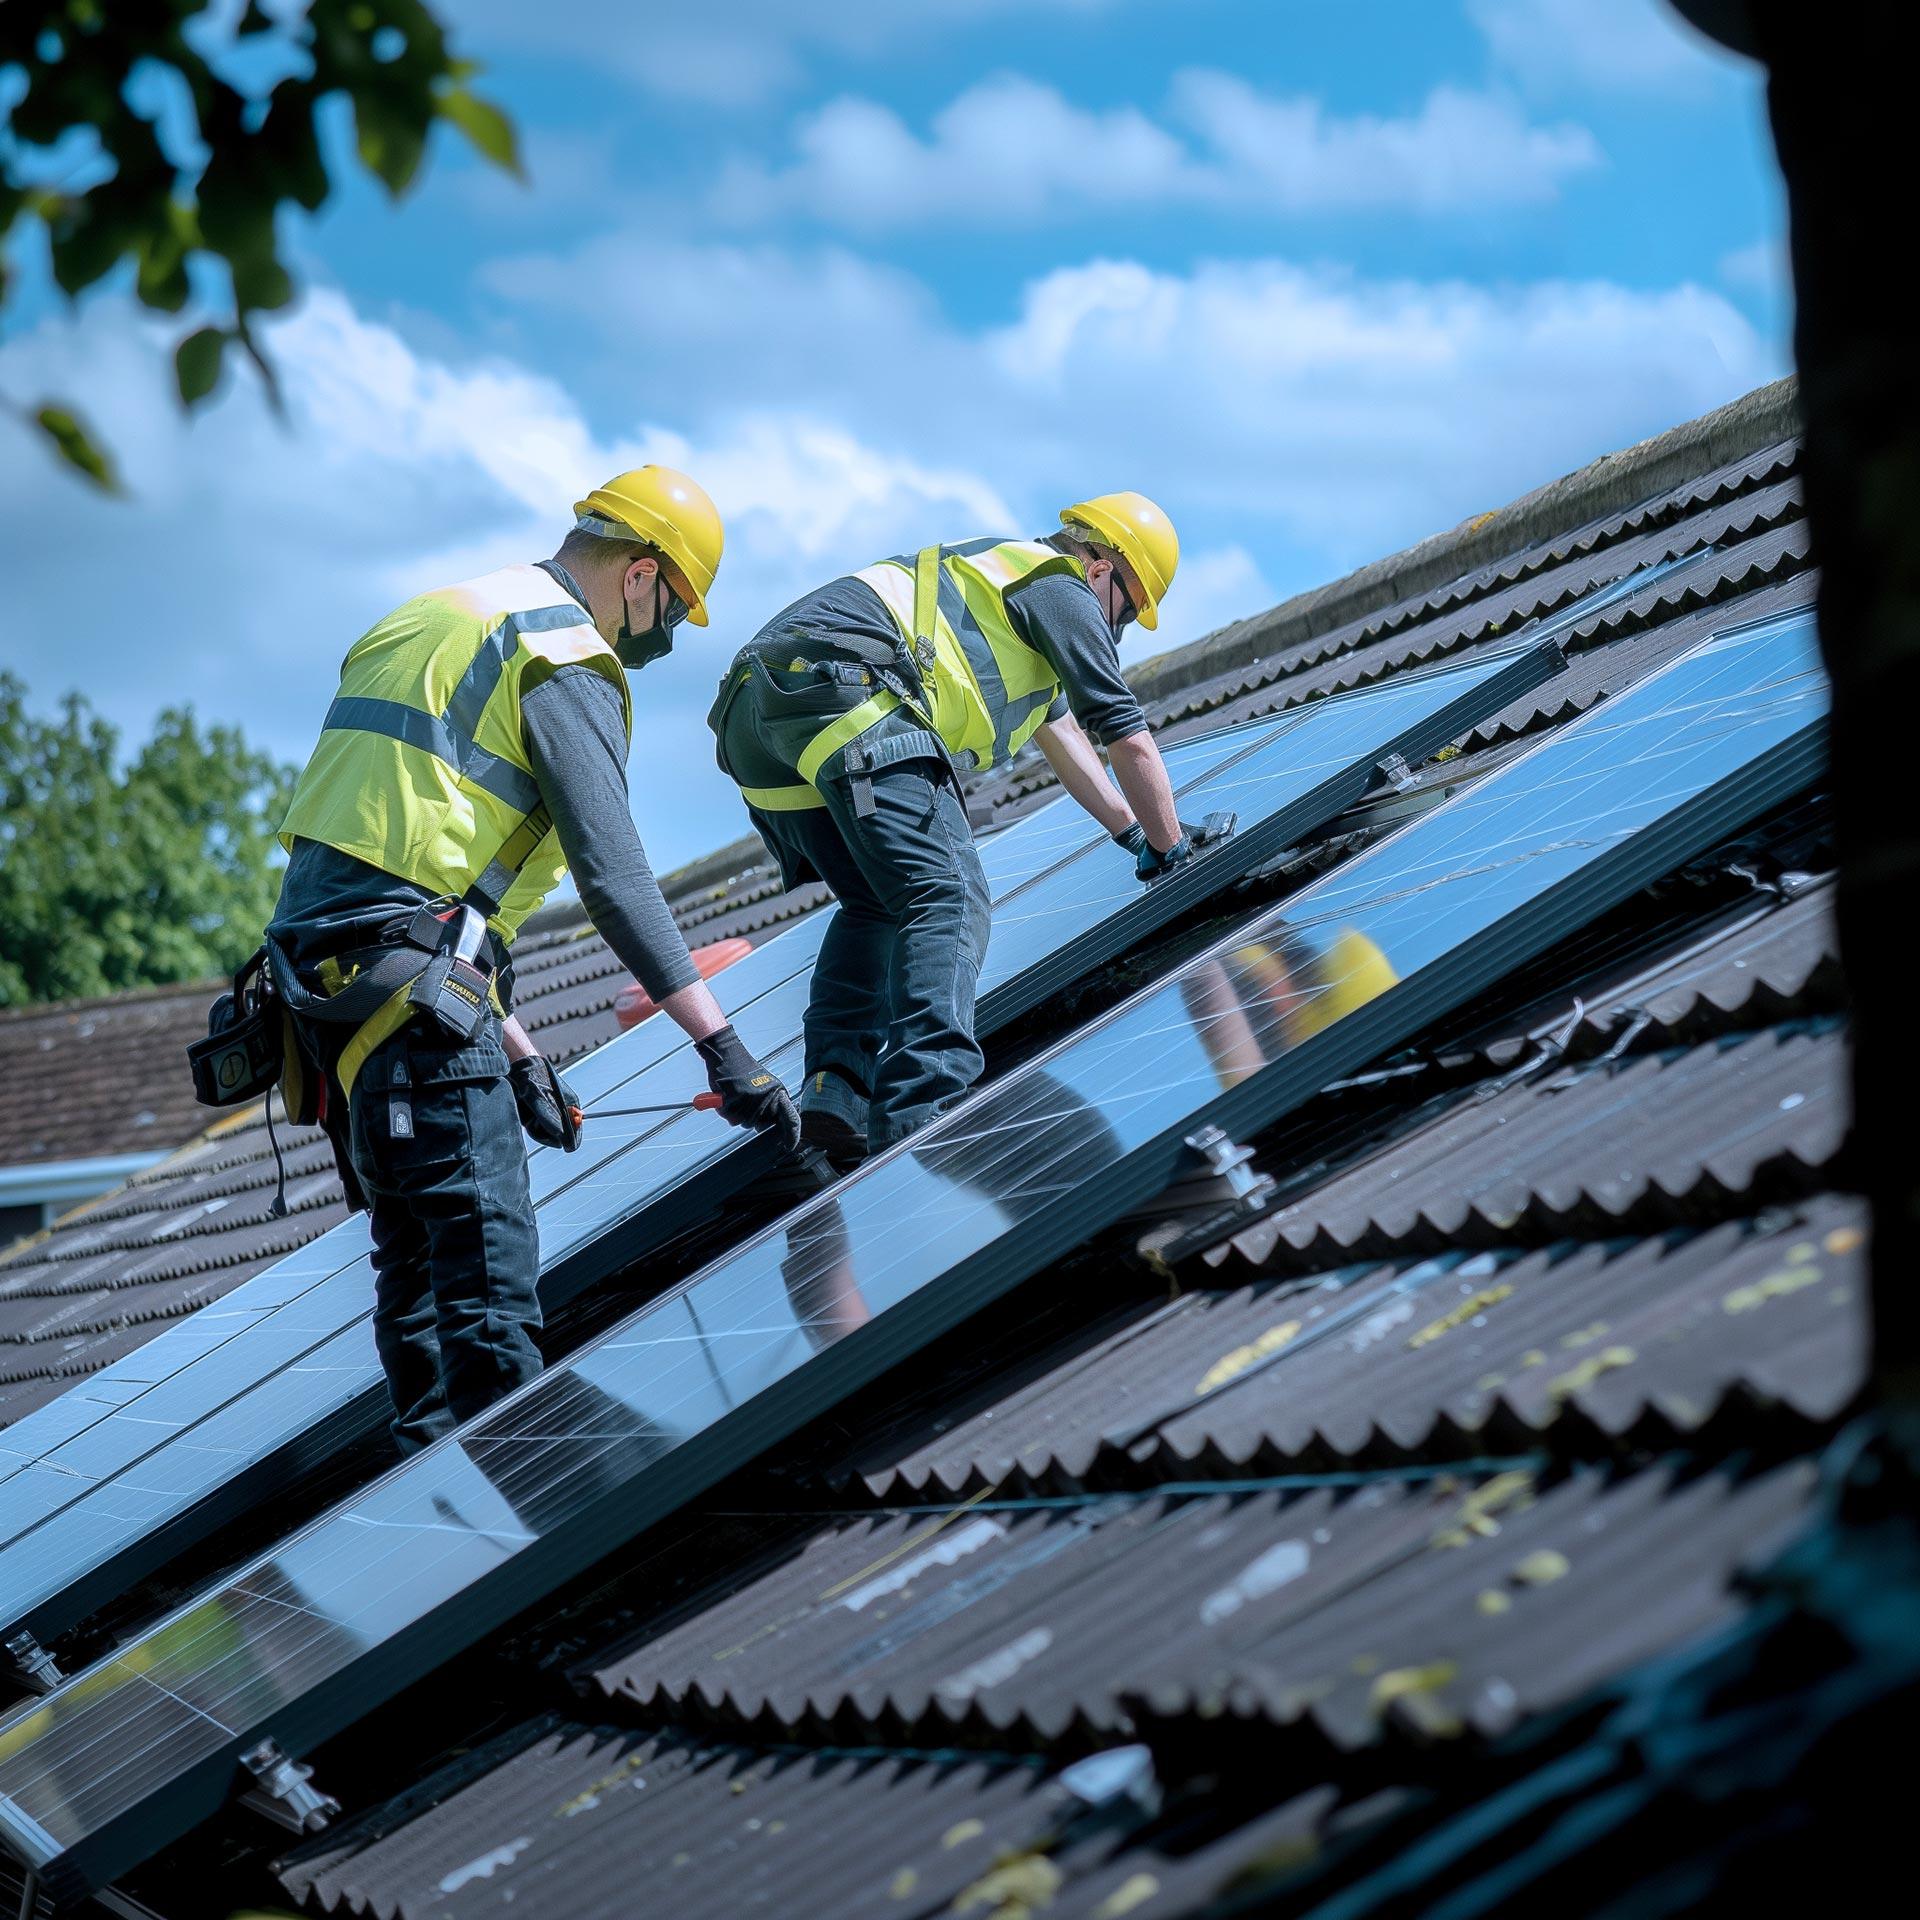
point(1074, 538)
point(585, 547)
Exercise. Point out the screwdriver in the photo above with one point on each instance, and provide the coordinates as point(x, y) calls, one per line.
point(701, 1102)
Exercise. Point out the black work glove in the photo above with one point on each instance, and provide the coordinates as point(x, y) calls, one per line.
point(1149, 865)
point(549, 1108)
point(750, 1095)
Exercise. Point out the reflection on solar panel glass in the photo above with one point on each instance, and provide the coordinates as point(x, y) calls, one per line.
point(286, 1362)
point(455, 1541)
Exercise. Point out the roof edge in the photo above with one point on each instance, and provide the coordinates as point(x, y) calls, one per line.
point(712, 869)
point(1762, 418)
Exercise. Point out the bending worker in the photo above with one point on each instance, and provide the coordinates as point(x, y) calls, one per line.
point(845, 721)
point(476, 750)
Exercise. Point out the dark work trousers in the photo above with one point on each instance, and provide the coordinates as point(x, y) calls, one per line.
point(889, 1024)
point(437, 1146)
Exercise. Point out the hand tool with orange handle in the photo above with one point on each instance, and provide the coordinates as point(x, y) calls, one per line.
point(701, 1103)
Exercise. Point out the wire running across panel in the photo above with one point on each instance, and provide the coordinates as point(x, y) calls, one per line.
point(294, 1375)
point(454, 1542)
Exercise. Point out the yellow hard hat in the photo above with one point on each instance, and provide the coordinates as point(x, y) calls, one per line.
point(1135, 528)
point(668, 511)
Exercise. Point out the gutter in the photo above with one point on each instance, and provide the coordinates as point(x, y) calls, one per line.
point(55, 1182)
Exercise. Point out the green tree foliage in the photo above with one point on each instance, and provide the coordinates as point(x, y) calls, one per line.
point(116, 876)
point(188, 167)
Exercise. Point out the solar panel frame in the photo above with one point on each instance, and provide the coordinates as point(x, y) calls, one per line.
point(659, 1217)
point(1480, 953)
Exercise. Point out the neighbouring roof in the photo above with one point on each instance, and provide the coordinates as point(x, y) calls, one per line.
point(1228, 1563)
point(90, 1079)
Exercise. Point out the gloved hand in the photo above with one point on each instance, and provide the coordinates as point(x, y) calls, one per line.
point(750, 1095)
point(549, 1108)
point(1150, 864)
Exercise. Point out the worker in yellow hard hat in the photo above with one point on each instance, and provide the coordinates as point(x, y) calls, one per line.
point(846, 723)
point(474, 754)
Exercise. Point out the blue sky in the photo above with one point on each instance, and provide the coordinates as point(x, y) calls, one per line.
point(1323, 276)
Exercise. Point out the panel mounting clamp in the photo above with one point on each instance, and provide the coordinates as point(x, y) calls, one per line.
point(1218, 1184)
point(285, 1794)
point(32, 1664)
point(1396, 773)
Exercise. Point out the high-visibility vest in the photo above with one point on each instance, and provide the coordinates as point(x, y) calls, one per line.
point(986, 690)
point(422, 770)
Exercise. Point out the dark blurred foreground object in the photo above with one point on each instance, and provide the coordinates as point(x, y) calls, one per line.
point(210, 191)
point(1837, 88)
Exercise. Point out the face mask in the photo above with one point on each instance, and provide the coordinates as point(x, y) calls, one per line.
point(638, 649)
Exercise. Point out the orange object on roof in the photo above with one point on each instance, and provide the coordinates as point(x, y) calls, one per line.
point(633, 1003)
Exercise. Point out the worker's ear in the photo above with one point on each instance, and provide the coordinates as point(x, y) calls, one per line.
point(639, 575)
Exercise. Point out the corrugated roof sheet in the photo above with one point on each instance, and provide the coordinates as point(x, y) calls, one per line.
point(559, 1817)
point(1594, 1346)
point(1421, 1609)
point(1372, 1479)
point(1648, 1141)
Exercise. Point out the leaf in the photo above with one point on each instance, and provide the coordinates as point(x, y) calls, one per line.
point(391, 141)
point(196, 363)
point(489, 130)
point(77, 447)
point(260, 282)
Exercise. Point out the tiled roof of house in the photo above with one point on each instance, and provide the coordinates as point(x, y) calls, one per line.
point(1240, 1559)
point(86, 1079)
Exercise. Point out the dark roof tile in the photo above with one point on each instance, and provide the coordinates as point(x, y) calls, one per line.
point(564, 1818)
point(1581, 1347)
point(1382, 1609)
point(1649, 1141)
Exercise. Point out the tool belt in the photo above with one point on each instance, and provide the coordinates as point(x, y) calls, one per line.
point(442, 964)
point(897, 672)
point(253, 1046)
point(439, 966)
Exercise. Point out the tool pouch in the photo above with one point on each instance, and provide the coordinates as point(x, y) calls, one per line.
point(452, 987)
point(244, 1052)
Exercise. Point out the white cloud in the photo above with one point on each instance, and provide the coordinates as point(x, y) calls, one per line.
point(1761, 267)
point(1295, 420)
point(1355, 414)
point(1629, 46)
point(1462, 150)
point(1010, 149)
point(1216, 585)
point(253, 554)
point(739, 53)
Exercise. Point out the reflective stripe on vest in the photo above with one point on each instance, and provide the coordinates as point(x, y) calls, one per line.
point(422, 768)
point(987, 691)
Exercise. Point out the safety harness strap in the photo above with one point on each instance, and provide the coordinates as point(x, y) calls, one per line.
point(493, 885)
point(859, 758)
point(926, 603)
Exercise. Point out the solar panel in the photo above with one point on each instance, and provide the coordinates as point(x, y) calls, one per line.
point(154, 1454)
point(457, 1540)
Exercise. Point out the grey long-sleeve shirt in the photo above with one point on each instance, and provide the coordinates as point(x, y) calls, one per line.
point(577, 744)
